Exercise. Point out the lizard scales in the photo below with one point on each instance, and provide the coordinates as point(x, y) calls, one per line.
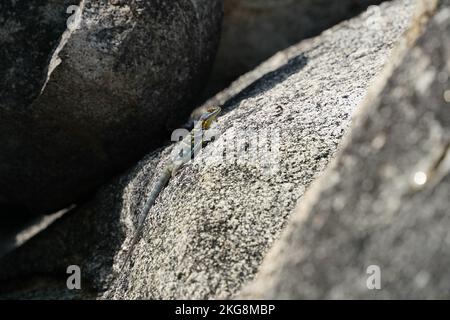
point(182, 154)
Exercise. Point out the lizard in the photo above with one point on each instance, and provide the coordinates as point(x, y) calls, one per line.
point(181, 155)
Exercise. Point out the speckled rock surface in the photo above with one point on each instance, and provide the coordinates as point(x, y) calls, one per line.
point(79, 104)
point(211, 227)
point(385, 202)
point(254, 30)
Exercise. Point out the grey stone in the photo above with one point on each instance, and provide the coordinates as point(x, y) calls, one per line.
point(211, 227)
point(385, 201)
point(78, 105)
point(254, 30)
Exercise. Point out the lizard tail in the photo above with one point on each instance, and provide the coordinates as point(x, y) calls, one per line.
point(159, 186)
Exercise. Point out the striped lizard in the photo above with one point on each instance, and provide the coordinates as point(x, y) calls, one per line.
point(181, 155)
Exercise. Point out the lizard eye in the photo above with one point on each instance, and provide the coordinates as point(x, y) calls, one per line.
point(214, 109)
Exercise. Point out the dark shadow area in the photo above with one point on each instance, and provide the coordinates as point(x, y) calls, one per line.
point(267, 81)
point(11, 224)
point(88, 236)
point(253, 32)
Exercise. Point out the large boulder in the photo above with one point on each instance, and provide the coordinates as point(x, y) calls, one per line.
point(254, 30)
point(379, 218)
point(211, 227)
point(79, 104)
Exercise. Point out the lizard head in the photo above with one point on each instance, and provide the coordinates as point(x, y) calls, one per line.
point(209, 117)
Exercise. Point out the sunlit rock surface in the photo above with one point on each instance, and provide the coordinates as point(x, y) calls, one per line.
point(383, 208)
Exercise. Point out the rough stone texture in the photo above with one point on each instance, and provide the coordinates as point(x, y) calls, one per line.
point(30, 31)
point(211, 227)
point(254, 30)
point(385, 201)
point(76, 106)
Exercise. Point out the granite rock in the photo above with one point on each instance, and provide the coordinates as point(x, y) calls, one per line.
point(83, 102)
point(254, 30)
point(212, 226)
point(382, 209)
